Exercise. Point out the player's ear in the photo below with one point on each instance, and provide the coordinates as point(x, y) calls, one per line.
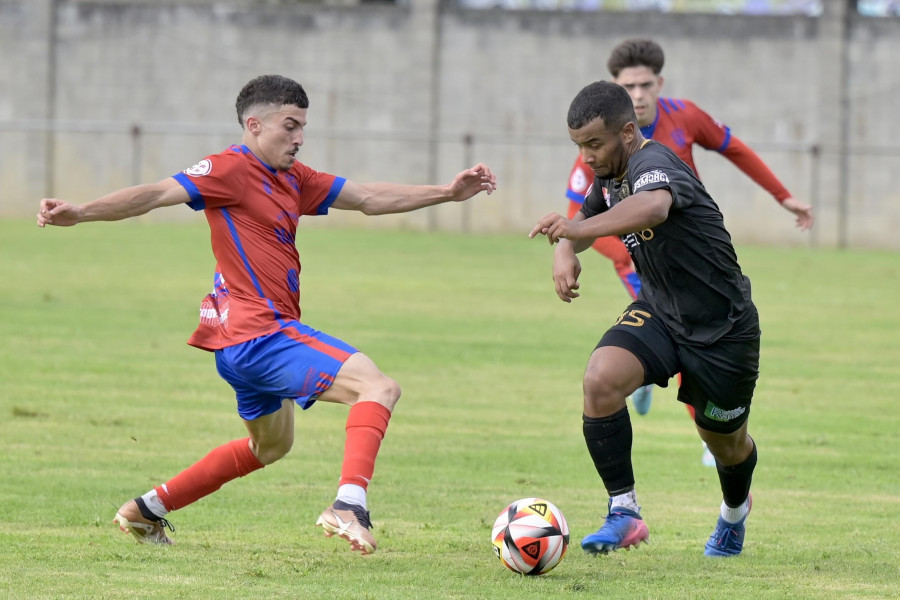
point(628, 131)
point(660, 81)
point(253, 125)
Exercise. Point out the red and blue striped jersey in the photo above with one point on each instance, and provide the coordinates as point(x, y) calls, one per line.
point(253, 211)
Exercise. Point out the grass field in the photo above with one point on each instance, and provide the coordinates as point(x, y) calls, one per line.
point(100, 398)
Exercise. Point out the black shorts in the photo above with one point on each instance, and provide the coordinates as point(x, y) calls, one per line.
point(716, 379)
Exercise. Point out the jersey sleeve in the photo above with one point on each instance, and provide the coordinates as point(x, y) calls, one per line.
point(317, 190)
point(652, 170)
point(713, 135)
point(580, 180)
point(595, 200)
point(753, 166)
point(214, 182)
point(707, 132)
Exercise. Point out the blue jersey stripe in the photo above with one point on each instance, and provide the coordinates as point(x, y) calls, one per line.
point(725, 142)
point(575, 196)
point(647, 130)
point(333, 193)
point(240, 248)
point(197, 202)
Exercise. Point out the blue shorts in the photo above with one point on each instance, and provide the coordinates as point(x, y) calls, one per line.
point(297, 362)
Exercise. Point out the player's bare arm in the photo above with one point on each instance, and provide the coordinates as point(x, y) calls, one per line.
point(639, 211)
point(566, 269)
point(387, 198)
point(121, 204)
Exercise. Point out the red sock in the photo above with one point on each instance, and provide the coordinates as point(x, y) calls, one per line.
point(366, 424)
point(228, 461)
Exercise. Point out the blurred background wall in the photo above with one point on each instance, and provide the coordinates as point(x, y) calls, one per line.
point(96, 95)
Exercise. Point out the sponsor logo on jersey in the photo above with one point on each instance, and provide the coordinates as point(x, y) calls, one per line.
point(578, 182)
point(717, 414)
point(204, 167)
point(654, 176)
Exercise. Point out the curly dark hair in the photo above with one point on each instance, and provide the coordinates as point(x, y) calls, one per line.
point(604, 100)
point(270, 89)
point(636, 53)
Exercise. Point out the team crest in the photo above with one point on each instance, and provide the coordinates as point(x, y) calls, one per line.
point(624, 191)
point(204, 167)
point(578, 182)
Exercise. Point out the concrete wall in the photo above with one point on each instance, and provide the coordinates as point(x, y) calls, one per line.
point(98, 95)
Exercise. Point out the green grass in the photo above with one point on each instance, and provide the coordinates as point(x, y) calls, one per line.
point(100, 398)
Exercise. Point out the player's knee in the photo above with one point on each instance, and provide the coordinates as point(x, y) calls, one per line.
point(270, 450)
point(598, 385)
point(386, 392)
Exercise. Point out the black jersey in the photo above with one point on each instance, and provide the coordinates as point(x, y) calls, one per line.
point(689, 271)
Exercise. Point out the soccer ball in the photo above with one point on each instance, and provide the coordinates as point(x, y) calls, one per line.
point(530, 536)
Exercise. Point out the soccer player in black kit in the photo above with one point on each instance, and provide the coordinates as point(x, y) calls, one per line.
point(694, 314)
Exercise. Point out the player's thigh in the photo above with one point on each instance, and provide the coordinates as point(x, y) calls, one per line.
point(719, 380)
point(646, 337)
point(360, 380)
point(612, 370)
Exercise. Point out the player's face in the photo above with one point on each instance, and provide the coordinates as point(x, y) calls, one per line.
point(280, 135)
point(603, 151)
point(644, 86)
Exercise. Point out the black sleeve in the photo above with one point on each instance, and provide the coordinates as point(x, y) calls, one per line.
point(594, 202)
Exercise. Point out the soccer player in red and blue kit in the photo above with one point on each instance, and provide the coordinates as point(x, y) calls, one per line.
point(636, 64)
point(253, 196)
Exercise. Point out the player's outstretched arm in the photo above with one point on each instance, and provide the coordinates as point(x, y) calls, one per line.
point(639, 211)
point(753, 166)
point(118, 205)
point(388, 198)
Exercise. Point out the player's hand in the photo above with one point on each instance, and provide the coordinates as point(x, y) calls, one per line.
point(466, 184)
point(57, 212)
point(555, 227)
point(566, 270)
point(803, 211)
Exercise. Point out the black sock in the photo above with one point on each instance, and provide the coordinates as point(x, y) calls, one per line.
point(609, 444)
point(735, 480)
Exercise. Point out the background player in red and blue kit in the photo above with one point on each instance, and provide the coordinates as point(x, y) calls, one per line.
point(253, 196)
point(636, 65)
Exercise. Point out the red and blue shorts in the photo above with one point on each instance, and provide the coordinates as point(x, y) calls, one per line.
point(296, 362)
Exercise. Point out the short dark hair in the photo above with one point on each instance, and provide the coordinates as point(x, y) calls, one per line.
point(636, 53)
point(270, 89)
point(604, 100)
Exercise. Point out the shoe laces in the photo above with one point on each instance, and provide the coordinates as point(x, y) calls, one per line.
point(165, 523)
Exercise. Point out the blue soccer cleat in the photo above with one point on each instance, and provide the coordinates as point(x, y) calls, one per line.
point(641, 398)
point(623, 528)
point(728, 538)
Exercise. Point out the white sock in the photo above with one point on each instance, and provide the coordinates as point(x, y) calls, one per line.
point(733, 515)
point(626, 500)
point(352, 494)
point(151, 499)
